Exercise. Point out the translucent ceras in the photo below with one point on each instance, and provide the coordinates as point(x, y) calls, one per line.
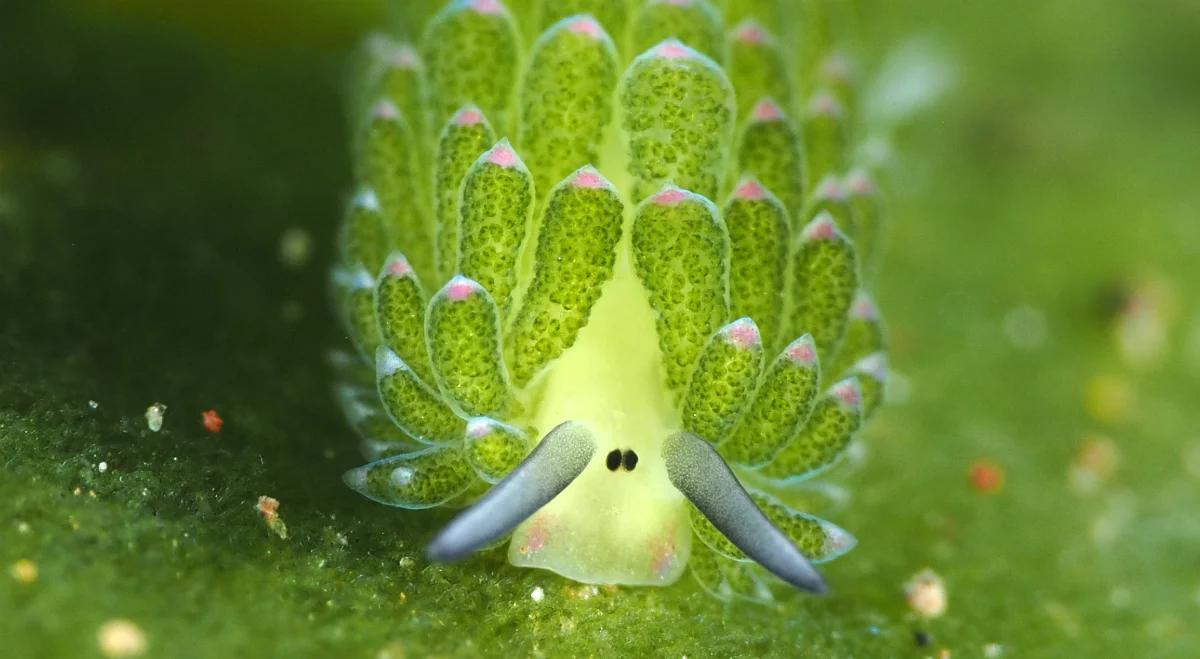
point(603, 281)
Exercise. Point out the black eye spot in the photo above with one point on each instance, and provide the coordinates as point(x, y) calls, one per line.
point(630, 460)
point(613, 460)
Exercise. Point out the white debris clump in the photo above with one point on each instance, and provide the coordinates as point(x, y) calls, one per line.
point(538, 594)
point(926, 593)
point(102, 467)
point(154, 416)
point(121, 638)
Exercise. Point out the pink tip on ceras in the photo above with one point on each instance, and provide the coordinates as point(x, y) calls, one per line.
point(848, 392)
point(405, 58)
point(670, 197)
point(367, 199)
point(821, 228)
point(673, 49)
point(589, 178)
point(802, 350)
point(874, 365)
point(461, 288)
point(750, 32)
point(503, 155)
point(830, 188)
point(860, 183)
point(743, 334)
point(766, 110)
point(480, 427)
point(750, 190)
point(386, 110)
point(487, 6)
point(587, 26)
point(825, 104)
point(468, 116)
point(398, 266)
point(864, 308)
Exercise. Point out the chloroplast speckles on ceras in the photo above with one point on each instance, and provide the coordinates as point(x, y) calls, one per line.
point(590, 290)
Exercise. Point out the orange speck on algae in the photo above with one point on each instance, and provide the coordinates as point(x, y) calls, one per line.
point(1094, 464)
point(986, 476)
point(268, 508)
point(212, 421)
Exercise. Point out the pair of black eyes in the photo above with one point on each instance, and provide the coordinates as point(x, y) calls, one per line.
point(616, 459)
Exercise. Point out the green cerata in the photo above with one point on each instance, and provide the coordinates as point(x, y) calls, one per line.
point(605, 281)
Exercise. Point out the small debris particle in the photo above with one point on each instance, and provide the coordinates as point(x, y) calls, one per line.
point(23, 528)
point(926, 593)
point(406, 561)
point(268, 507)
point(538, 594)
point(93, 404)
point(295, 246)
point(993, 650)
point(393, 650)
point(922, 638)
point(24, 571)
point(986, 476)
point(583, 592)
point(944, 653)
point(212, 421)
point(1093, 465)
point(1108, 398)
point(1025, 327)
point(102, 467)
point(154, 416)
point(121, 638)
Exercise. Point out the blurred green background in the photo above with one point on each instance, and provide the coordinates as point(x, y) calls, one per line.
point(1040, 288)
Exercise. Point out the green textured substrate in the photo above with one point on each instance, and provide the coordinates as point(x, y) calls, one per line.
point(148, 173)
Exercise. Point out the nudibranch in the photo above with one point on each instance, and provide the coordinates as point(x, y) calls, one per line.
point(605, 281)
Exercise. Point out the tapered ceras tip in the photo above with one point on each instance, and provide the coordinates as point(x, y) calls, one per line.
point(830, 188)
point(803, 350)
point(766, 110)
point(589, 177)
point(460, 288)
point(823, 227)
point(386, 110)
point(751, 32)
point(487, 6)
point(468, 115)
point(504, 156)
point(825, 104)
point(742, 334)
point(397, 265)
point(749, 189)
point(863, 307)
point(587, 26)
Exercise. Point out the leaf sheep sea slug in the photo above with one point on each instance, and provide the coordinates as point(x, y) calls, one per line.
point(605, 280)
